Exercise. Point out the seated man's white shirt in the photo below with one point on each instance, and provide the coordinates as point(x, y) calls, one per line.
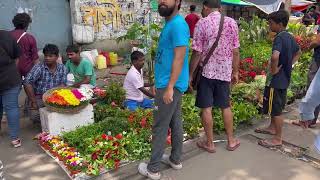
point(132, 83)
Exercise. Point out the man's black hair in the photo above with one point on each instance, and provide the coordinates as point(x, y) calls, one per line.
point(193, 8)
point(73, 48)
point(212, 3)
point(51, 49)
point(280, 16)
point(136, 55)
point(21, 21)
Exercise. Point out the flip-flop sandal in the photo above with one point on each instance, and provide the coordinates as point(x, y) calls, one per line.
point(229, 148)
point(201, 145)
point(265, 144)
point(263, 131)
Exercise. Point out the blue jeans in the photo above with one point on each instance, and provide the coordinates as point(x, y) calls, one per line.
point(133, 105)
point(9, 102)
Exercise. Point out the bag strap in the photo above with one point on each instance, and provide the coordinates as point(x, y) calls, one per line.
point(215, 44)
point(23, 34)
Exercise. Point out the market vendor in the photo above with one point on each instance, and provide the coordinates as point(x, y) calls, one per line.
point(135, 86)
point(43, 77)
point(81, 68)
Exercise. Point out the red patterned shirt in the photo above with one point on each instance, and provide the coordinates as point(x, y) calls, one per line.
point(219, 66)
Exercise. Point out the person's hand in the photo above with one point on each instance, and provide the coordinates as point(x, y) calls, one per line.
point(168, 96)
point(34, 106)
point(235, 77)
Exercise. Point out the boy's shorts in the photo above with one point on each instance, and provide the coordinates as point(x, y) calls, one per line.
point(274, 101)
point(133, 105)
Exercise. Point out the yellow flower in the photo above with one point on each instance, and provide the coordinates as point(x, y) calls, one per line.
point(68, 96)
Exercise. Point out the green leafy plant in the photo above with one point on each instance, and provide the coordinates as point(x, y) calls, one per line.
point(115, 94)
point(190, 116)
point(253, 31)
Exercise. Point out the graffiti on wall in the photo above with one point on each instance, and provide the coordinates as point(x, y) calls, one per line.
point(111, 17)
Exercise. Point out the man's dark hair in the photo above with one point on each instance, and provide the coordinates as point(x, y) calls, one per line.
point(280, 16)
point(212, 3)
point(136, 55)
point(73, 48)
point(21, 20)
point(51, 49)
point(193, 8)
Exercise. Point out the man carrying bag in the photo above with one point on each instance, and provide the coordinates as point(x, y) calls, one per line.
point(215, 38)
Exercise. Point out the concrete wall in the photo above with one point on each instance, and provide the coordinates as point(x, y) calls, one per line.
point(51, 20)
point(111, 19)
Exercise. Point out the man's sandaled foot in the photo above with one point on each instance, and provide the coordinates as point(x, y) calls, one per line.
point(203, 145)
point(234, 146)
point(304, 124)
point(264, 131)
point(269, 143)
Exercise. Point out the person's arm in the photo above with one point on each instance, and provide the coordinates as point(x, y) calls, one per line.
point(274, 66)
point(235, 52)
point(64, 77)
point(235, 65)
point(34, 50)
point(86, 80)
point(88, 72)
point(146, 92)
point(31, 78)
point(194, 62)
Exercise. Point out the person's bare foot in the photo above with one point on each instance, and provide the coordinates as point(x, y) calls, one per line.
point(267, 130)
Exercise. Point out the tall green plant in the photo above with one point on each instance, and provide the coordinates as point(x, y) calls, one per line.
point(254, 30)
point(146, 37)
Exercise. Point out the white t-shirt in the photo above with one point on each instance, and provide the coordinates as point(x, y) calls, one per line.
point(132, 83)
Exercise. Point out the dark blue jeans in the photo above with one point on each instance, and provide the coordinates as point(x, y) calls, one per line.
point(10, 104)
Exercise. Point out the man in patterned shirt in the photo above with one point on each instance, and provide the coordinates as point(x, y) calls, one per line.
point(214, 85)
point(42, 77)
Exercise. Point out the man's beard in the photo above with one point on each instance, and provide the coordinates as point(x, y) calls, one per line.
point(165, 11)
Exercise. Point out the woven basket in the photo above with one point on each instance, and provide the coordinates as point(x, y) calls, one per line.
point(65, 110)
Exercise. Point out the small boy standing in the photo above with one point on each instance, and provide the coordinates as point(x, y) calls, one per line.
point(285, 52)
point(135, 86)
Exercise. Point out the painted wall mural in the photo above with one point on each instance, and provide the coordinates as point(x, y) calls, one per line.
point(111, 18)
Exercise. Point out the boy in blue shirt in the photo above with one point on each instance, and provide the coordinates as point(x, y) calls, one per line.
point(285, 52)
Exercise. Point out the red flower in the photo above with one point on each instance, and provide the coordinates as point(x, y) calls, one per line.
point(94, 156)
point(263, 73)
point(252, 74)
point(119, 136)
point(110, 138)
point(143, 122)
point(104, 136)
point(249, 60)
point(131, 118)
point(116, 144)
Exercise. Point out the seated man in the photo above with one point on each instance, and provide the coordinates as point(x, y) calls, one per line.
point(82, 69)
point(42, 77)
point(135, 86)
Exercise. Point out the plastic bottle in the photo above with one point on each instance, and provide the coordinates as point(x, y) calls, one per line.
point(101, 62)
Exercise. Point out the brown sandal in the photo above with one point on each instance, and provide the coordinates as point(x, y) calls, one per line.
point(202, 146)
point(233, 148)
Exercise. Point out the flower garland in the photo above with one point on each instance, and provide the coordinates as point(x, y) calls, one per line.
point(70, 97)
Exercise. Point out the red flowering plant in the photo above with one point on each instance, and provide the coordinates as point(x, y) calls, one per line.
point(140, 119)
point(105, 152)
point(248, 70)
